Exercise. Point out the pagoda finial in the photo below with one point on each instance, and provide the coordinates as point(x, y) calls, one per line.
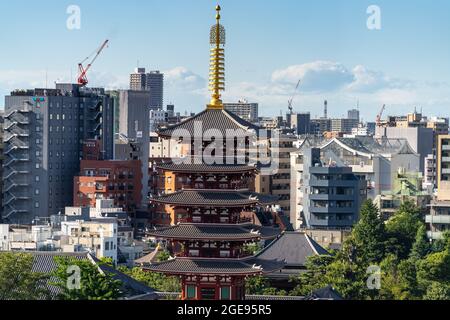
point(217, 63)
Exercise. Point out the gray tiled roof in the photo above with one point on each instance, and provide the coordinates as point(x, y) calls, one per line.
point(216, 266)
point(44, 262)
point(225, 198)
point(215, 231)
point(293, 247)
point(220, 120)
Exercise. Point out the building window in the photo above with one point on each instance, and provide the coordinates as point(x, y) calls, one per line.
point(36, 204)
point(36, 191)
point(191, 292)
point(37, 178)
point(38, 165)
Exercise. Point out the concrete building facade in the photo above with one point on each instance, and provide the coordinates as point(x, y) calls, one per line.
point(332, 196)
point(117, 180)
point(245, 110)
point(43, 134)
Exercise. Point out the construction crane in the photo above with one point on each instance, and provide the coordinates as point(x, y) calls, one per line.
point(82, 78)
point(291, 100)
point(380, 114)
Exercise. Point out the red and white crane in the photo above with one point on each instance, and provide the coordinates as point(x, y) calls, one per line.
point(82, 78)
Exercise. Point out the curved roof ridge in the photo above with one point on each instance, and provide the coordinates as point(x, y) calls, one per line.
point(232, 117)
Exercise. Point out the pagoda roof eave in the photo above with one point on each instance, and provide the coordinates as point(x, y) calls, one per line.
point(215, 198)
point(219, 266)
point(215, 232)
point(206, 168)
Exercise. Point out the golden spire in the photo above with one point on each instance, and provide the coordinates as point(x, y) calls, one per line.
point(217, 63)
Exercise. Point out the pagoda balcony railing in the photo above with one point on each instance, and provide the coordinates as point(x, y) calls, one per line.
point(231, 221)
point(213, 185)
point(214, 256)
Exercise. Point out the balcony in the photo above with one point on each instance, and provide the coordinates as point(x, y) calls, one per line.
point(12, 173)
point(441, 219)
point(329, 197)
point(446, 147)
point(434, 235)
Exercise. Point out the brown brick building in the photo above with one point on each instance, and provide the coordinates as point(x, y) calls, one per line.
point(111, 179)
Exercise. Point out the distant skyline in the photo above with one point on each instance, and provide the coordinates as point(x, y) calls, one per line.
point(270, 46)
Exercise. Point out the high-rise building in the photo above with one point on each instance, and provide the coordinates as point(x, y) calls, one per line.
point(443, 167)
point(301, 122)
point(344, 125)
point(245, 110)
point(332, 195)
point(320, 126)
point(353, 114)
point(134, 124)
point(138, 80)
point(279, 183)
point(153, 82)
point(1, 162)
point(44, 132)
point(439, 217)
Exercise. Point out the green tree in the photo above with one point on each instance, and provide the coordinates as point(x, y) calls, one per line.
point(314, 276)
point(434, 267)
point(256, 285)
point(402, 229)
point(421, 246)
point(154, 280)
point(18, 281)
point(94, 285)
point(437, 291)
point(163, 256)
point(369, 235)
point(251, 248)
point(398, 279)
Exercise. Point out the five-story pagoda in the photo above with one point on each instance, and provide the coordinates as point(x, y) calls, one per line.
point(208, 199)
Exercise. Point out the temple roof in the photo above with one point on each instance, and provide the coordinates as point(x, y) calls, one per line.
point(211, 119)
point(213, 168)
point(224, 198)
point(186, 266)
point(293, 247)
point(235, 232)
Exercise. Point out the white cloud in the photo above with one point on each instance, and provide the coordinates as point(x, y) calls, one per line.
point(183, 78)
point(317, 76)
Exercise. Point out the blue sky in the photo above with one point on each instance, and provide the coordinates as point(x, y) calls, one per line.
point(270, 45)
